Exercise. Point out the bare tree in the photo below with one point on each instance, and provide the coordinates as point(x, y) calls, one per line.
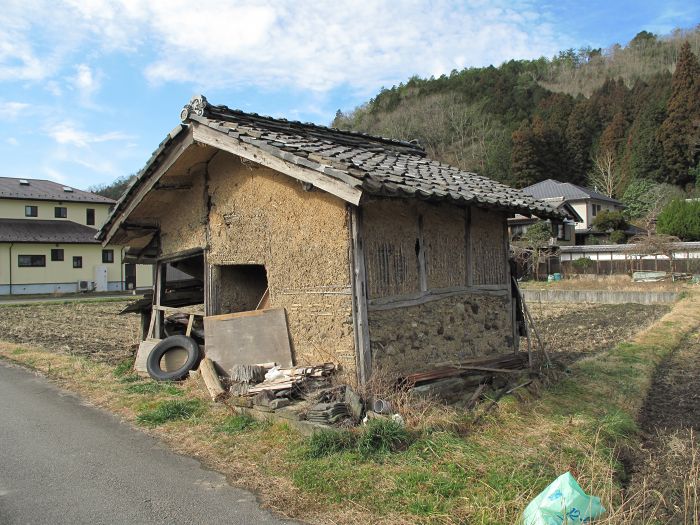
point(605, 177)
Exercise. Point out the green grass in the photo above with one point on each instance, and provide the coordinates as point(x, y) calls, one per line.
point(170, 410)
point(19, 351)
point(154, 388)
point(382, 436)
point(238, 423)
point(326, 442)
point(124, 368)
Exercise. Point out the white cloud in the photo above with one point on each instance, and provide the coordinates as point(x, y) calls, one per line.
point(70, 135)
point(11, 110)
point(86, 81)
point(302, 44)
point(12, 141)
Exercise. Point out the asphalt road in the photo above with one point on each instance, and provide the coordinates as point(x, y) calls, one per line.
point(62, 462)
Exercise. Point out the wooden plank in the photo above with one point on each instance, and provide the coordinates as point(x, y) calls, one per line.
point(415, 299)
point(205, 135)
point(238, 339)
point(358, 273)
point(142, 354)
point(190, 322)
point(211, 379)
point(183, 141)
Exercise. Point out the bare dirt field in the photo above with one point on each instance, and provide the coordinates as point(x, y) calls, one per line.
point(95, 328)
point(84, 328)
point(571, 331)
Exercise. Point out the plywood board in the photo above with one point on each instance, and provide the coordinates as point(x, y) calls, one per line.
point(144, 351)
point(246, 338)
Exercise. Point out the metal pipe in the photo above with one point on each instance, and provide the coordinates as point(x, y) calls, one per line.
point(10, 266)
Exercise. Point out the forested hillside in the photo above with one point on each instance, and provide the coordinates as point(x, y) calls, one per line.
point(603, 117)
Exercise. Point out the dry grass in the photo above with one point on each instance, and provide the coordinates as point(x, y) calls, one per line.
point(610, 283)
point(455, 471)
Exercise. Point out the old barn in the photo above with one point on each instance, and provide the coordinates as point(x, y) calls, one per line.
point(380, 256)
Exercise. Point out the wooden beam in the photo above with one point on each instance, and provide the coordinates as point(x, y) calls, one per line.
point(206, 135)
point(179, 145)
point(165, 187)
point(415, 299)
point(358, 275)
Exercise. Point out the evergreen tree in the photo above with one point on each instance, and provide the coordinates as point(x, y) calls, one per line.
point(677, 133)
point(525, 163)
point(579, 137)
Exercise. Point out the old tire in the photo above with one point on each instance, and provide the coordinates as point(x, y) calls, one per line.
point(174, 342)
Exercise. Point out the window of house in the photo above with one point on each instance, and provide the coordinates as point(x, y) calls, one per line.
point(60, 212)
point(90, 217)
point(77, 261)
point(107, 256)
point(57, 254)
point(25, 261)
point(31, 211)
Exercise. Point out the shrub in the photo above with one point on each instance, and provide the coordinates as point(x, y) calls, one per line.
point(237, 423)
point(171, 410)
point(681, 219)
point(326, 442)
point(582, 264)
point(617, 237)
point(609, 220)
point(381, 436)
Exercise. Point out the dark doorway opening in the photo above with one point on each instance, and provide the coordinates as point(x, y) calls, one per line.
point(242, 287)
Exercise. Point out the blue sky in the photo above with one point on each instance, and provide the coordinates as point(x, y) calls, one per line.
point(88, 88)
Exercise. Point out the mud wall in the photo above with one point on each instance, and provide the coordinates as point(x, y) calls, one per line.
point(415, 338)
point(488, 247)
point(181, 217)
point(411, 326)
point(259, 216)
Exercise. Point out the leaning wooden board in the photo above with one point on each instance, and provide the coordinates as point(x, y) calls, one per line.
point(247, 338)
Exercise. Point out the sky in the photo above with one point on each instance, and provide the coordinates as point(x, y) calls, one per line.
point(89, 88)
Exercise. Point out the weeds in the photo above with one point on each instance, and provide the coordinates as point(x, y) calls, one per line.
point(238, 423)
point(326, 442)
point(124, 368)
point(19, 351)
point(154, 387)
point(170, 410)
point(381, 436)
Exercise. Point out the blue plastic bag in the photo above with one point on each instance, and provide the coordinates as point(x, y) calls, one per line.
point(562, 502)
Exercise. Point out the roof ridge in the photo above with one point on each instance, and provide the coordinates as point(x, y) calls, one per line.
point(199, 105)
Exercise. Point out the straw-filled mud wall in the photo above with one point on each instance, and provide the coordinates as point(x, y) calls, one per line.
point(438, 284)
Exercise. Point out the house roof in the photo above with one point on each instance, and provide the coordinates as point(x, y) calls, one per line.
point(551, 189)
point(38, 231)
point(46, 190)
point(348, 164)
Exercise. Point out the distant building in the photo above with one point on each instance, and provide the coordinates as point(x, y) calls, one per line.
point(48, 245)
point(587, 204)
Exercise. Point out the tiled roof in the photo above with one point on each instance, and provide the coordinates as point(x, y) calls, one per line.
point(38, 230)
point(375, 165)
point(550, 189)
point(46, 190)
point(379, 166)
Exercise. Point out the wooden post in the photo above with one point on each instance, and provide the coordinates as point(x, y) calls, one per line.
point(467, 245)
point(358, 276)
point(157, 321)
